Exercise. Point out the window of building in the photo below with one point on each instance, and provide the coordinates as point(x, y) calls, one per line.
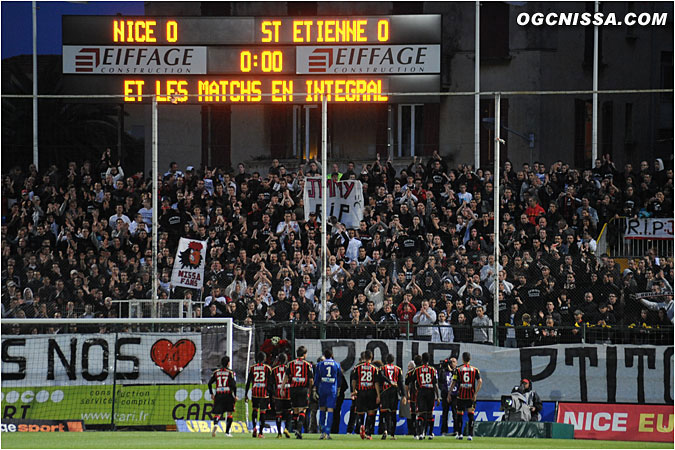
point(487, 131)
point(607, 127)
point(307, 131)
point(583, 130)
point(628, 141)
point(666, 75)
point(494, 31)
point(409, 130)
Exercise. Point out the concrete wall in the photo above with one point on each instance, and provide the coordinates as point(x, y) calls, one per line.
point(353, 131)
point(250, 136)
point(179, 136)
point(541, 58)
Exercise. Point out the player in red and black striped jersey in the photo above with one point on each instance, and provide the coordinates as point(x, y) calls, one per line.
point(281, 393)
point(226, 394)
point(300, 376)
point(412, 394)
point(392, 388)
point(468, 379)
point(258, 378)
point(366, 381)
point(426, 381)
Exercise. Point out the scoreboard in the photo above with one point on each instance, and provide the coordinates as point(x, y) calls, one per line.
point(253, 59)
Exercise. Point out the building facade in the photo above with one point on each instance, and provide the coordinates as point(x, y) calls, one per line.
point(513, 58)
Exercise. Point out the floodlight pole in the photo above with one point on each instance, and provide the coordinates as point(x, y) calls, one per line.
point(35, 89)
point(594, 134)
point(324, 194)
point(495, 275)
point(155, 206)
point(476, 98)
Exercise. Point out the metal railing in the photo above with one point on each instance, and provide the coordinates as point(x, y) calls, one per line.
point(507, 336)
point(148, 308)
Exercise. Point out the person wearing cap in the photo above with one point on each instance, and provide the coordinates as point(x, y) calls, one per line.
point(579, 324)
point(532, 399)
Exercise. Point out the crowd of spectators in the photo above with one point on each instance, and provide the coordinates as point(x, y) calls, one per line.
point(422, 258)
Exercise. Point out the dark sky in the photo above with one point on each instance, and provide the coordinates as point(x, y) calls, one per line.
point(17, 27)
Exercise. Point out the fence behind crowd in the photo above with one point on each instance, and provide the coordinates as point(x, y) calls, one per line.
point(507, 336)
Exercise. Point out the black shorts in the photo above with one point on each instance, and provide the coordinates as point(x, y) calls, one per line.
point(282, 405)
point(260, 403)
point(223, 403)
point(425, 400)
point(464, 404)
point(299, 397)
point(366, 400)
point(389, 400)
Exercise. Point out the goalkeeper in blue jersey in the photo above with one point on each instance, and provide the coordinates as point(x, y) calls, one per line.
point(327, 382)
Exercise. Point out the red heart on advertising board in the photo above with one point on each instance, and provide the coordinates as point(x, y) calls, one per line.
point(172, 358)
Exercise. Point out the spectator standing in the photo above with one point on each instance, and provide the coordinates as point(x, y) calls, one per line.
point(424, 318)
point(482, 327)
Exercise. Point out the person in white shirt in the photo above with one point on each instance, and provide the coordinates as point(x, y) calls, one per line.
point(488, 270)
point(442, 332)
point(353, 246)
point(137, 225)
point(463, 195)
point(116, 172)
point(119, 214)
point(146, 213)
point(287, 225)
point(375, 292)
point(425, 317)
point(508, 287)
point(216, 298)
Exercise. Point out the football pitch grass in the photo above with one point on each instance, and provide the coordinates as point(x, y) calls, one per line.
point(175, 440)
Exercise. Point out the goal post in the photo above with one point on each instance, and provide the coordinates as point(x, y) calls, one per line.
point(113, 373)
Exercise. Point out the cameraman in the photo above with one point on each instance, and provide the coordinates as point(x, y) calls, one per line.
point(533, 400)
point(448, 399)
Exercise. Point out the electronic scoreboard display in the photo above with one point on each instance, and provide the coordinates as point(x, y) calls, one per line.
point(253, 59)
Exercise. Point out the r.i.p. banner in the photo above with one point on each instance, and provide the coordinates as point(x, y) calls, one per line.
point(650, 228)
point(344, 201)
point(188, 267)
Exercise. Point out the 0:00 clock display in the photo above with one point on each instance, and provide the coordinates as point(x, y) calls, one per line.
point(268, 61)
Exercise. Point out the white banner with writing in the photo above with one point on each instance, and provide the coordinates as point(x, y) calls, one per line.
point(133, 60)
point(82, 359)
point(572, 372)
point(344, 201)
point(651, 228)
point(188, 267)
point(368, 59)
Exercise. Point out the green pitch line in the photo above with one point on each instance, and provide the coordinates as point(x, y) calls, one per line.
point(175, 440)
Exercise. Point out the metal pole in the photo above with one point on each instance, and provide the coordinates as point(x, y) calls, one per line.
point(495, 289)
point(230, 333)
point(155, 206)
point(412, 130)
point(35, 89)
point(476, 99)
point(248, 363)
point(390, 133)
point(324, 212)
point(594, 138)
point(113, 427)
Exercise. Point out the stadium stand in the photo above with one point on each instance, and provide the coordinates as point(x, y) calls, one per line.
point(76, 240)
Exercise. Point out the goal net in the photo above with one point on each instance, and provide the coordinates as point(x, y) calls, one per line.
point(112, 373)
